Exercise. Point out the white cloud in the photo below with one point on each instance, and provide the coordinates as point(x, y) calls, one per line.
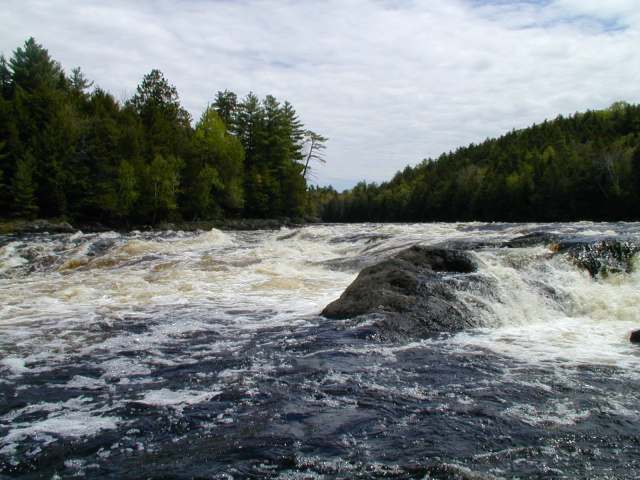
point(390, 82)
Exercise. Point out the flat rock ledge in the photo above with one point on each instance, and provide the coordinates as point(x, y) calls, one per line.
point(415, 293)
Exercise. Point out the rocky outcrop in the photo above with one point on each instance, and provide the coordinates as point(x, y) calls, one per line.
point(415, 293)
point(596, 256)
point(601, 257)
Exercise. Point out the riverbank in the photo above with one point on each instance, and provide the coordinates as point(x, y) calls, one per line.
point(17, 227)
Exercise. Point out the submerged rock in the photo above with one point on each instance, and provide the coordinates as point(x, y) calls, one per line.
point(635, 336)
point(414, 293)
point(100, 247)
point(532, 240)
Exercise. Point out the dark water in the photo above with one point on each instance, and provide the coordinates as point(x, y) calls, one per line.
point(186, 390)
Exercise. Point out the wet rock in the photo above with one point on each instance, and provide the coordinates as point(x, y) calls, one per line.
point(634, 337)
point(532, 240)
point(470, 244)
point(100, 247)
point(602, 257)
point(414, 293)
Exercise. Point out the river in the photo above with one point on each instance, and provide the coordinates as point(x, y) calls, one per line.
point(203, 355)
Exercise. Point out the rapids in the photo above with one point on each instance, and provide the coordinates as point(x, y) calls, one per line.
point(203, 355)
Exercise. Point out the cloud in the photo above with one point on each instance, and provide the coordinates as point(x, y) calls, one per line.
point(389, 81)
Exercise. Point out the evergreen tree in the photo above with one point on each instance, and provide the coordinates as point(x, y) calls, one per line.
point(226, 105)
point(68, 151)
point(33, 68)
point(78, 83)
point(6, 82)
point(167, 125)
point(315, 144)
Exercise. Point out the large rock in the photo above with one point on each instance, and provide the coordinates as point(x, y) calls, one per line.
point(415, 293)
point(597, 256)
point(601, 257)
point(634, 337)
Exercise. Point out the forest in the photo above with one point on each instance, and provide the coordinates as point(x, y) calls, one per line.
point(70, 150)
point(584, 167)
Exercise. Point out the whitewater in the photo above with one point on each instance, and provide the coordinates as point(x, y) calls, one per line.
point(173, 354)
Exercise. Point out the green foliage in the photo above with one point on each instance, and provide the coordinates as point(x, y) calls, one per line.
point(68, 150)
point(127, 190)
point(33, 68)
point(163, 184)
point(23, 187)
point(583, 167)
point(217, 168)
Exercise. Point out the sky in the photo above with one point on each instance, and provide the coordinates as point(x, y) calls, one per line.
point(389, 82)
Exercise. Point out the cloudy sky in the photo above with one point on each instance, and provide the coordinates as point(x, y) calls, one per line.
point(390, 82)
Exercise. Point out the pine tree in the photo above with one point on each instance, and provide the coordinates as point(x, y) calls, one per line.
point(33, 68)
point(6, 83)
point(226, 105)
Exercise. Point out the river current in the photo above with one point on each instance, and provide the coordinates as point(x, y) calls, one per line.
point(204, 355)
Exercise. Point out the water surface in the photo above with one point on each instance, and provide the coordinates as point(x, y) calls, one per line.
point(203, 355)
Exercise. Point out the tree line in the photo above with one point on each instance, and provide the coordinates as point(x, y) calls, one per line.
point(586, 166)
point(69, 150)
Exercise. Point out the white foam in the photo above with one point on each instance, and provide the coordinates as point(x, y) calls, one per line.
point(557, 413)
point(75, 418)
point(16, 364)
point(180, 398)
point(586, 321)
point(72, 424)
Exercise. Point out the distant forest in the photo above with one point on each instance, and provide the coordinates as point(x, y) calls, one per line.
point(584, 167)
point(71, 151)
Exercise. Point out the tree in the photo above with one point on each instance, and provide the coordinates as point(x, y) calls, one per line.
point(164, 184)
point(127, 192)
point(216, 168)
point(167, 125)
point(78, 83)
point(23, 188)
point(33, 68)
point(315, 144)
point(5, 78)
point(226, 104)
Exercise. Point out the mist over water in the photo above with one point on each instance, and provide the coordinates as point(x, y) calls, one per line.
point(203, 355)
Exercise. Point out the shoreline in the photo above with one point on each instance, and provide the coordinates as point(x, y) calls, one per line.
point(42, 226)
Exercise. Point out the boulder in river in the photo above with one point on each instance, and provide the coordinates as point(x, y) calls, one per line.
point(602, 257)
point(415, 293)
point(635, 336)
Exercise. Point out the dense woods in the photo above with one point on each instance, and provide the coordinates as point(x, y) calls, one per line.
point(70, 150)
point(586, 166)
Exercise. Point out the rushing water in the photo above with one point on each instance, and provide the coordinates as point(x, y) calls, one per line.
point(203, 355)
